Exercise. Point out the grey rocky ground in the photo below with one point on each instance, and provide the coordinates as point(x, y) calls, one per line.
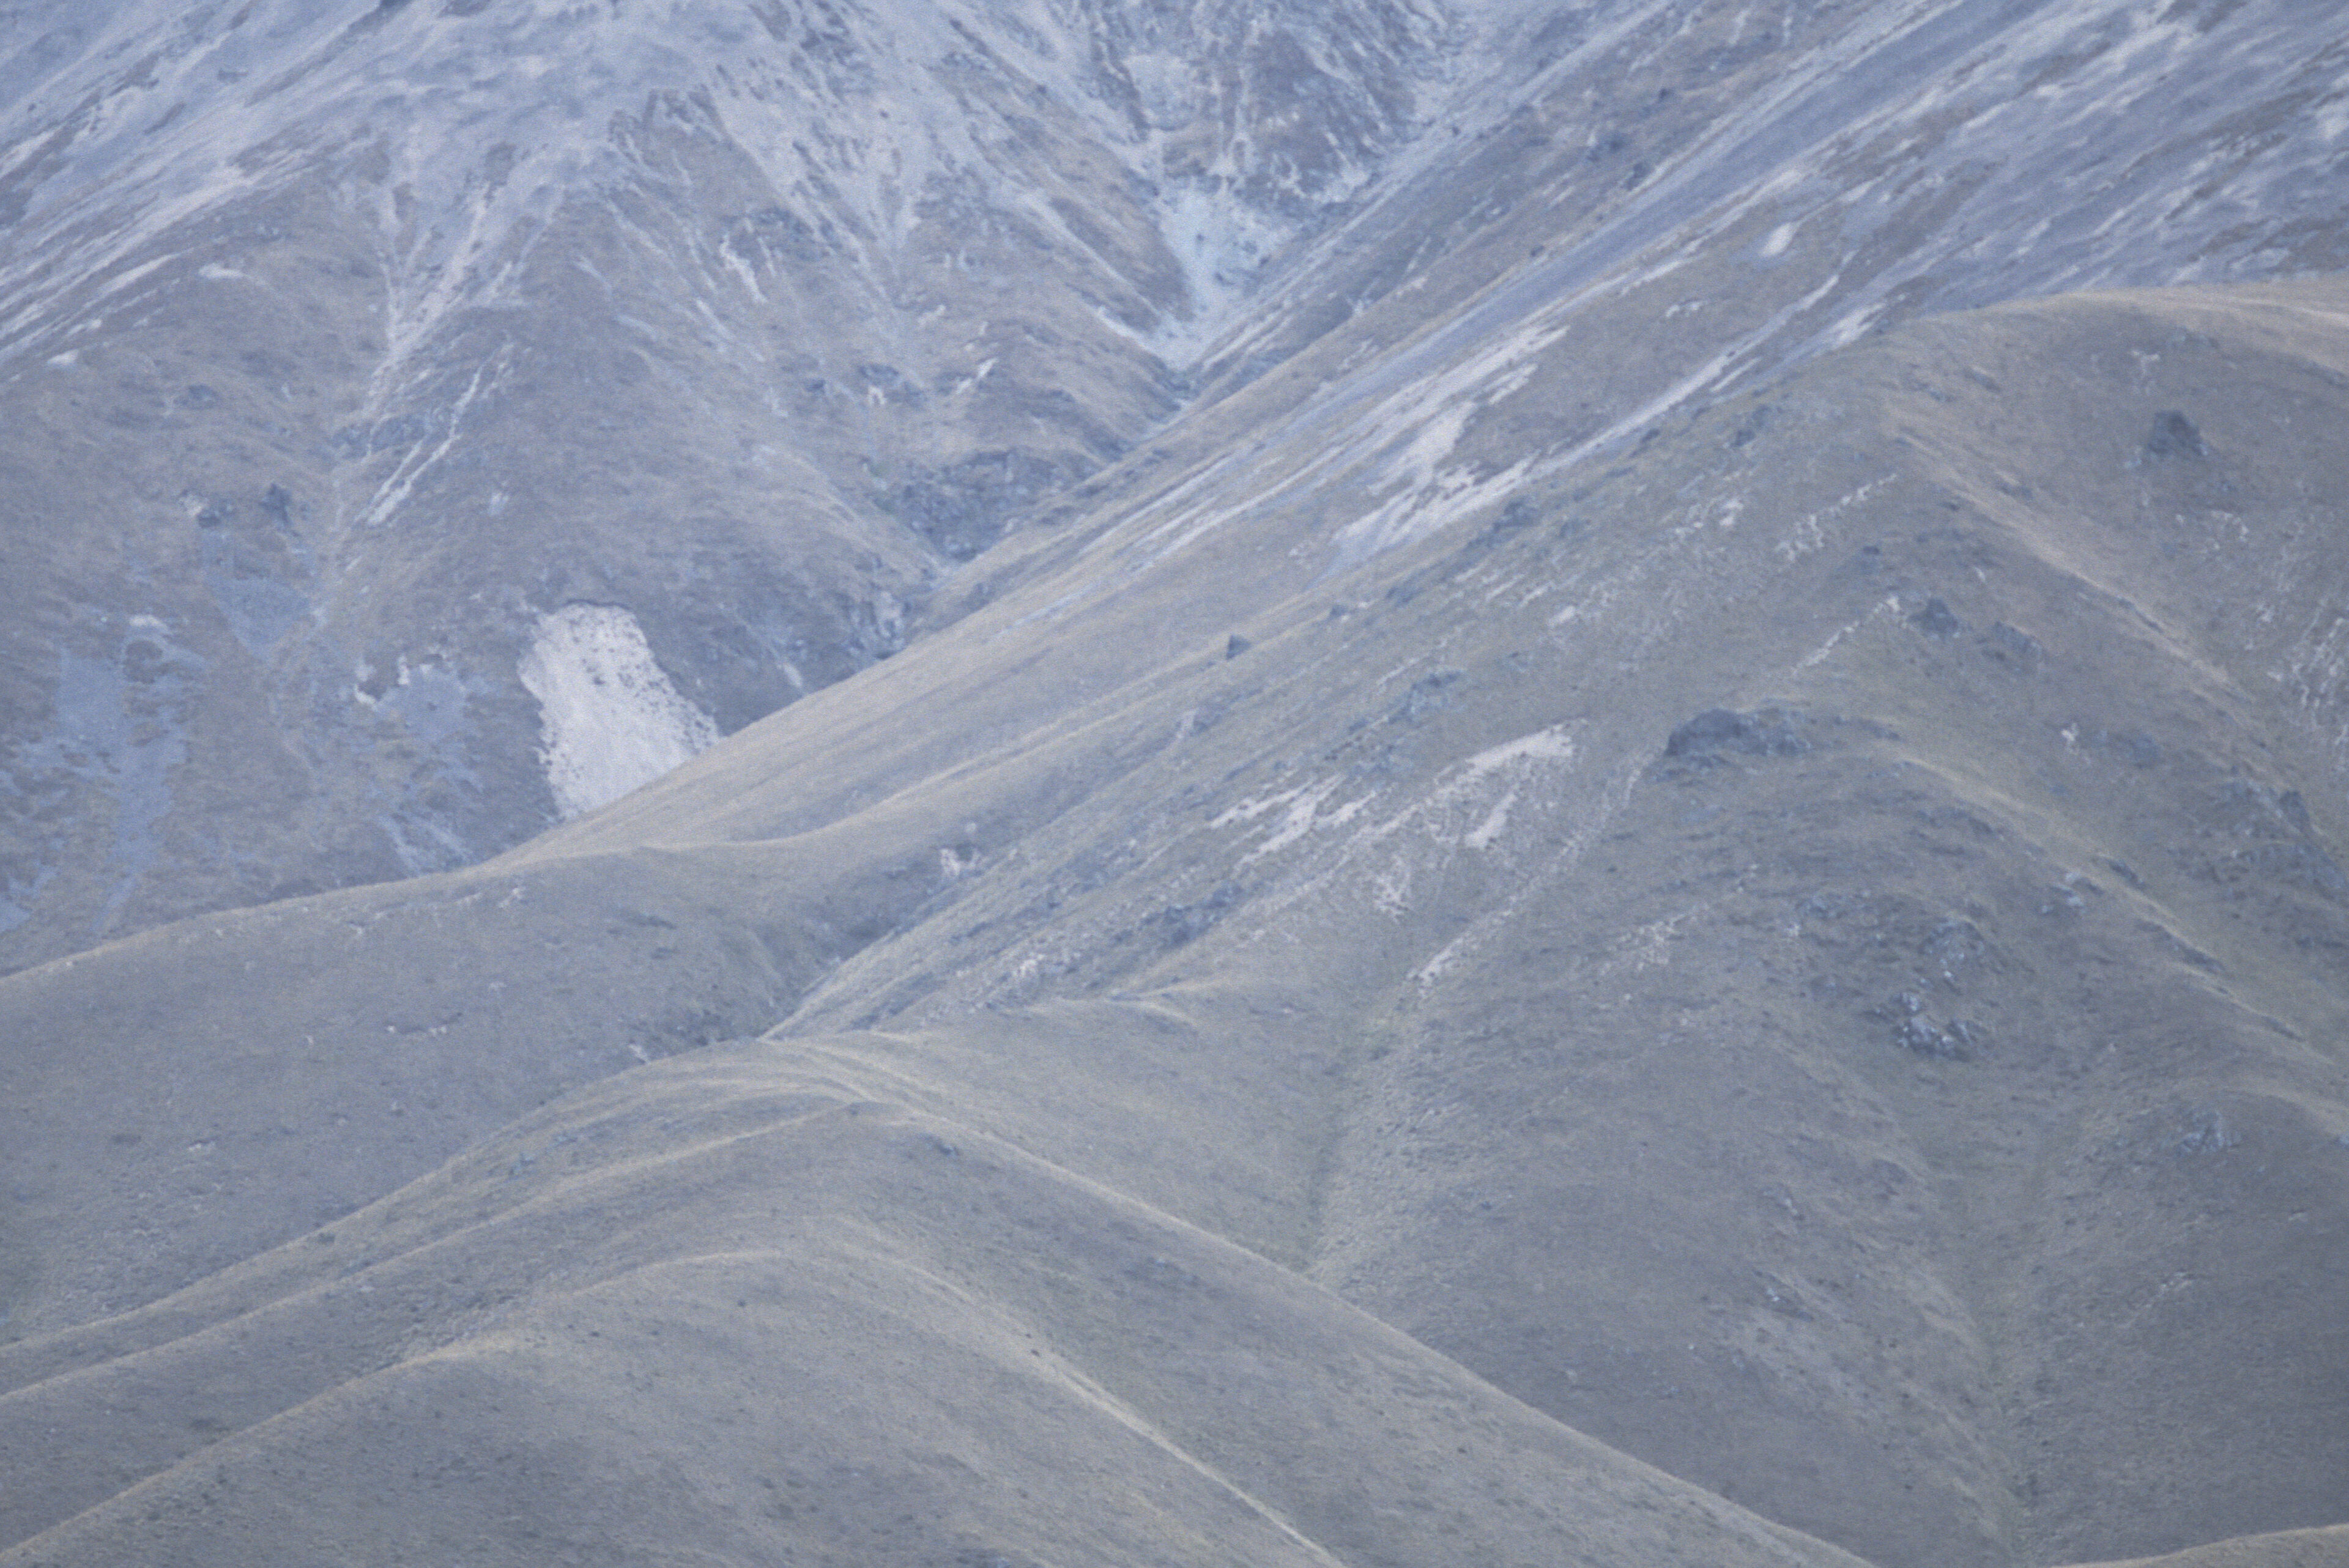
point(1605, 821)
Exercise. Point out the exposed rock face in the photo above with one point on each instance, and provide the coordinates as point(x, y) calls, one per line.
point(344, 345)
point(1605, 823)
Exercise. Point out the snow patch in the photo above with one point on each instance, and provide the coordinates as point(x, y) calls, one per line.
point(1296, 824)
point(1649, 946)
point(1221, 245)
point(1303, 815)
point(1495, 823)
point(1551, 745)
point(1817, 654)
point(609, 718)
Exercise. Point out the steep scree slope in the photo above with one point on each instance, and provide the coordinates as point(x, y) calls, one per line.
point(351, 357)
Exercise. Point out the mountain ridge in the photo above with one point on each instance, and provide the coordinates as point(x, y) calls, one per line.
point(1694, 874)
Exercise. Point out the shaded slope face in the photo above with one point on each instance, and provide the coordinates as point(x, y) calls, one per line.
point(352, 357)
point(1635, 846)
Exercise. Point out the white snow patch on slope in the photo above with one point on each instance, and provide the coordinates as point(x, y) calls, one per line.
point(1551, 745)
point(609, 718)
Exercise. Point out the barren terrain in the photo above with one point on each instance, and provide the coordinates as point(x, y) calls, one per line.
point(1382, 784)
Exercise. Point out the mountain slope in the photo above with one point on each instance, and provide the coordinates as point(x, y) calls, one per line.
point(788, 1321)
point(458, 415)
point(1865, 1100)
point(426, 422)
point(1651, 854)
